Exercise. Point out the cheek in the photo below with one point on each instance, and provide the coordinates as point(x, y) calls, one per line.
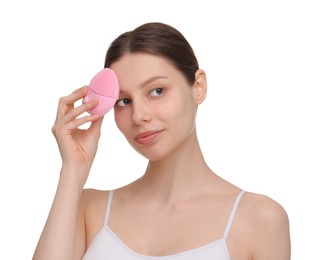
point(187, 120)
point(183, 111)
point(121, 121)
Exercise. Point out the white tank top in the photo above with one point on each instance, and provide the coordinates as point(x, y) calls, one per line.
point(108, 246)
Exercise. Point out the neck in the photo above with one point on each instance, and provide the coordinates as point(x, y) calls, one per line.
point(179, 176)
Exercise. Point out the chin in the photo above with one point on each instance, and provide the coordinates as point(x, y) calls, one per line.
point(151, 154)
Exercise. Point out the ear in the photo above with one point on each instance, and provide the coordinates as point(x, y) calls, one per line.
point(200, 86)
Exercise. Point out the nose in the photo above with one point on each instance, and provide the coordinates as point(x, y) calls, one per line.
point(141, 113)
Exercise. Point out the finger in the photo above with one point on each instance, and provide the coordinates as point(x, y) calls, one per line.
point(96, 125)
point(66, 103)
point(76, 112)
point(76, 95)
point(78, 122)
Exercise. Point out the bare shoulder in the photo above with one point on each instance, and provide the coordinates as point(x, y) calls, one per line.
point(90, 197)
point(93, 206)
point(267, 226)
point(263, 209)
point(93, 202)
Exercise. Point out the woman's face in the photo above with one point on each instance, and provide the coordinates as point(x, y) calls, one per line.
point(156, 108)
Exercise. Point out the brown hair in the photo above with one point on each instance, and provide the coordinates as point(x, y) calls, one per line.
point(158, 39)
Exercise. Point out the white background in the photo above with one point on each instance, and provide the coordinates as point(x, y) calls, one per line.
point(259, 126)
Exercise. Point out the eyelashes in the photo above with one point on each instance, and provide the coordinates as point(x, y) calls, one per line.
point(123, 102)
point(155, 93)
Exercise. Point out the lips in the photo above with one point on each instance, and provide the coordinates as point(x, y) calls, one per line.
point(147, 137)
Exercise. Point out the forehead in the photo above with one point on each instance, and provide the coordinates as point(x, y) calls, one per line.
point(135, 68)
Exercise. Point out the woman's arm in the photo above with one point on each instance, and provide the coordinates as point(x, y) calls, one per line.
point(57, 240)
point(63, 236)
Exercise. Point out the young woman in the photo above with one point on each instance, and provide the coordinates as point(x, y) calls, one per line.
point(179, 209)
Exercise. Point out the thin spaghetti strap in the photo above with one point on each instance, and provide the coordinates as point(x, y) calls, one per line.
point(110, 198)
point(231, 217)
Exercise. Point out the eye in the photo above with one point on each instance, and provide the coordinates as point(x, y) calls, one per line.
point(157, 92)
point(123, 102)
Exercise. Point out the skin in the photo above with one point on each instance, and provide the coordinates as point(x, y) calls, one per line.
point(179, 203)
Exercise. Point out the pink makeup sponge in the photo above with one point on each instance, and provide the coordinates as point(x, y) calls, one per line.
point(105, 87)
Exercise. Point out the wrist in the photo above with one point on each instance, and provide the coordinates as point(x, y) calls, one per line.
point(74, 176)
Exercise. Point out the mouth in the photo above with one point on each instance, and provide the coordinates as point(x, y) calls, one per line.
point(147, 137)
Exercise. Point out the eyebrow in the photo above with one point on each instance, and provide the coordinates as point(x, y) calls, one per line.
point(146, 82)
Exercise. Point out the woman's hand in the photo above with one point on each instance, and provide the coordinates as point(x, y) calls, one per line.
point(77, 147)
